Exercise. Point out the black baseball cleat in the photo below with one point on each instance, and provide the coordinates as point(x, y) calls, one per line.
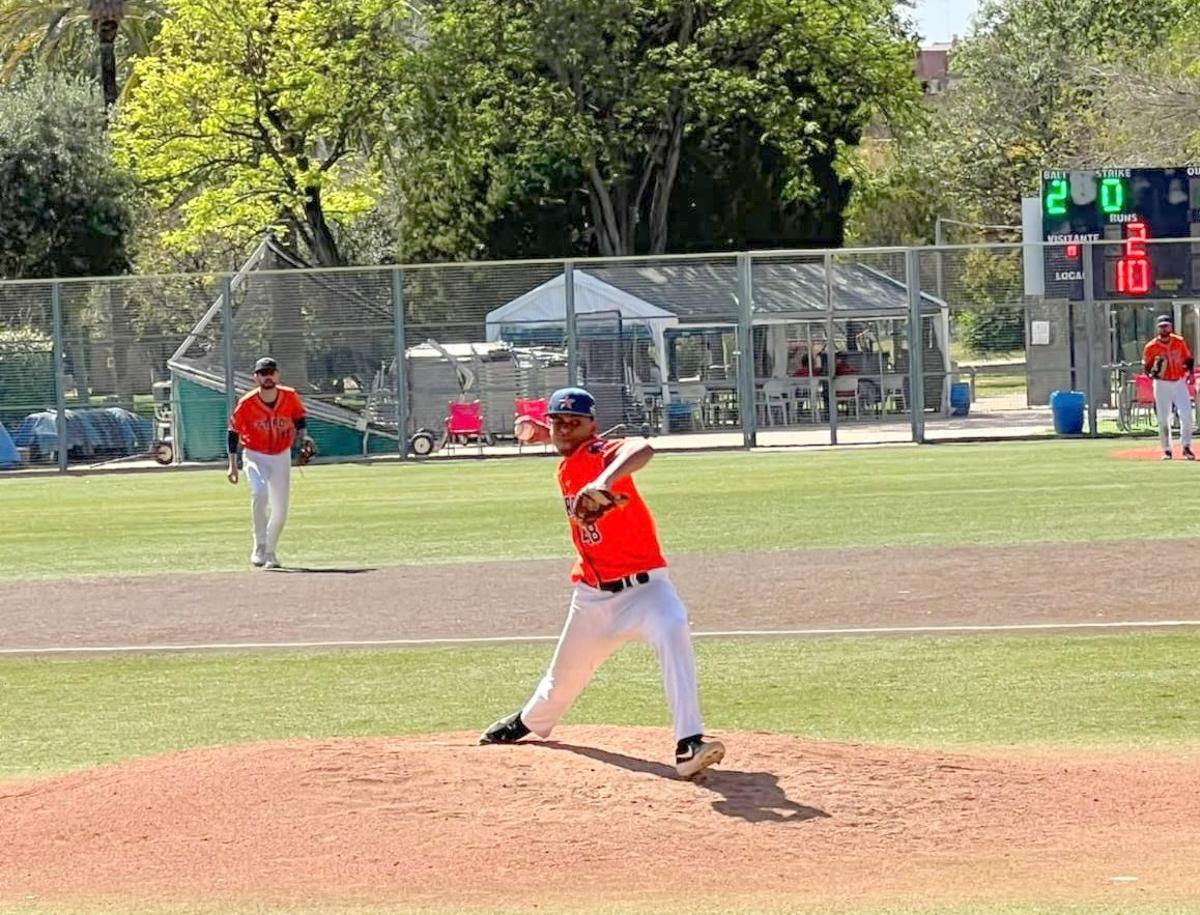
point(506, 730)
point(1188, 455)
point(696, 753)
point(1167, 455)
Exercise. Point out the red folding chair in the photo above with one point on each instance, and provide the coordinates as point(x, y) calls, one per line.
point(463, 423)
point(1143, 399)
point(534, 409)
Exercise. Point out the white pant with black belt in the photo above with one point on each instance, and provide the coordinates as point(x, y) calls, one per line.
point(600, 622)
point(1167, 393)
point(269, 478)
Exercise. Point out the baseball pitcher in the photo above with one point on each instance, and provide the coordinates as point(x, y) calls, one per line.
point(622, 589)
point(266, 422)
point(1169, 362)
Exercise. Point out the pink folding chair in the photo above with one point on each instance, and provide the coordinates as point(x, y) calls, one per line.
point(534, 409)
point(463, 423)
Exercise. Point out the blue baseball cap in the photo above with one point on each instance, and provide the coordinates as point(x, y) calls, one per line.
point(572, 402)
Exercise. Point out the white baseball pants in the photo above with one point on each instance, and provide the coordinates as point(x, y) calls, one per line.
point(1167, 393)
point(599, 623)
point(269, 478)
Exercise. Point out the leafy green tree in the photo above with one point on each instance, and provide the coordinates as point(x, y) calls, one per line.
point(1148, 109)
point(62, 201)
point(26, 373)
point(605, 120)
point(253, 115)
point(1026, 99)
point(988, 283)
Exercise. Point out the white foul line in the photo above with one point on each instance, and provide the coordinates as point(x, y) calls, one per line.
point(503, 639)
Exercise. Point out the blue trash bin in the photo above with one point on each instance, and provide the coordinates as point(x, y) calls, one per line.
point(1067, 410)
point(679, 416)
point(960, 398)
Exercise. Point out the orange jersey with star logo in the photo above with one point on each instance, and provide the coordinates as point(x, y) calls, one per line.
point(622, 542)
point(267, 428)
point(1175, 353)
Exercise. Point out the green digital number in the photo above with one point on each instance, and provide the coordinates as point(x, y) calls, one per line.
point(1112, 195)
point(1056, 197)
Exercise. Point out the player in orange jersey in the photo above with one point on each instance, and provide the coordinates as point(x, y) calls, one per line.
point(622, 590)
point(265, 423)
point(1169, 362)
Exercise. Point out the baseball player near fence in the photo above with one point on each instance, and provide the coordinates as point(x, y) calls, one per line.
point(1169, 362)
point(622, 590)
point(265, 423)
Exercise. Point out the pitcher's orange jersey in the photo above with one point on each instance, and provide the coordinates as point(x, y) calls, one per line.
point(624, 541)
point(267, 428)
point(1175, 353)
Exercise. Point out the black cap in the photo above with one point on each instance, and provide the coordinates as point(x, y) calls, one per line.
point(1164, 319)
point(266, 362)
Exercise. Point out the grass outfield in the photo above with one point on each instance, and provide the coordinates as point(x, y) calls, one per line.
point(509, 509)
point(1132, 690)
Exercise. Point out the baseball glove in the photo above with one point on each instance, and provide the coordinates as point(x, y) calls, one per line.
point(593, 503)
point(308, 451)
point(1156, 367)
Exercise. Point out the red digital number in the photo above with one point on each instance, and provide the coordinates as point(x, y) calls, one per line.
point(1133, 269)
point(1072, 252)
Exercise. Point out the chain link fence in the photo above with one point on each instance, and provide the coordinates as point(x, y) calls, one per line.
point(766, 348)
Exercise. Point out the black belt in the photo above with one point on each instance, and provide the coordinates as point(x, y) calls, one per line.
point(620, 584)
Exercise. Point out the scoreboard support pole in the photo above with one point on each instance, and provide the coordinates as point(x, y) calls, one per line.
point(1089, 320)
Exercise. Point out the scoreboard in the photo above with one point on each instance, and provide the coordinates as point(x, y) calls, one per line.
point(1131, 208)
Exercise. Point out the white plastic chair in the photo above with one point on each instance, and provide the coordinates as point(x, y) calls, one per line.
point(845, 390)
point(774, 395)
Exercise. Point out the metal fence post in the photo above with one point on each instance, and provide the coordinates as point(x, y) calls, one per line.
point(745, 352)
point(569, 308)
point(1089, 307)
point(401, 363)
point(830, 352)
point(60, 394)
point(916, 342)
point(227, 342)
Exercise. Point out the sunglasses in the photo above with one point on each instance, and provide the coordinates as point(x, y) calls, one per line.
point(265, 372)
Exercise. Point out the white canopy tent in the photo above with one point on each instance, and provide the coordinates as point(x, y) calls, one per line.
point(547, 305)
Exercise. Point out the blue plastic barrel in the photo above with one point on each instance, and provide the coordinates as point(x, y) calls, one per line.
point(1067, 409)
point(960, 398)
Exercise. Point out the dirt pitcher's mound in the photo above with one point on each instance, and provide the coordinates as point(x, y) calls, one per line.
point(1153, 453)
point(598, 816)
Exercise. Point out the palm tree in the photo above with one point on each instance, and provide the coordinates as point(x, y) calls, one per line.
point(106, 22)
point(58, 33)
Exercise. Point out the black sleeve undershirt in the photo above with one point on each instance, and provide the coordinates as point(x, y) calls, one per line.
point(231, 442)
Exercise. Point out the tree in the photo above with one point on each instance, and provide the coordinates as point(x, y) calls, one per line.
point(66, 34)
point(988, 282)
point(63, 210)
point(590, 112)
point(106, 16)
point(62, 201)
point(255, 114)
point(1026, 99)
point(1148, 108)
